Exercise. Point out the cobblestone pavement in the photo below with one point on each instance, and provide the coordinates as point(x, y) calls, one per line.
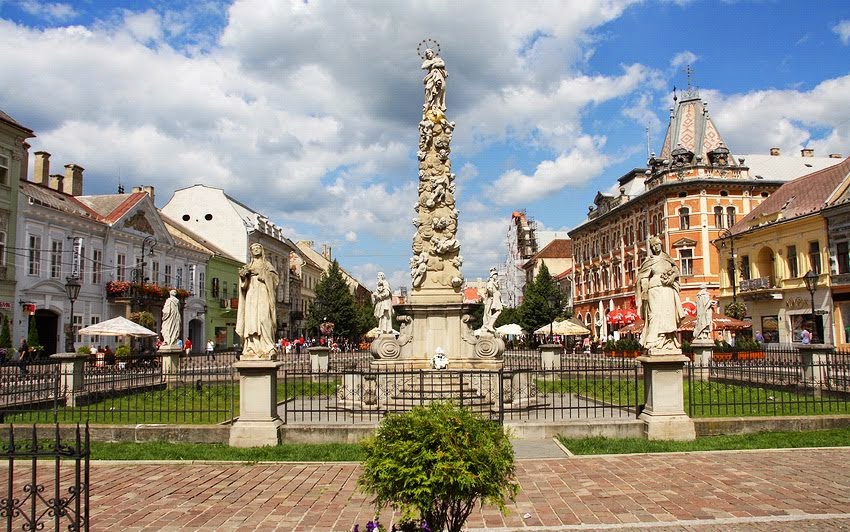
point(801, 489)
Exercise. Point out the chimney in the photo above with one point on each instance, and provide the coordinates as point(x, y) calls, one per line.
point(73, 183)
point(41, 171)
point(26, 157)
point(807, 152)
point(147, 189)
point(326, 252)
point(56, 182)
point(835, 156)
point(774, 152)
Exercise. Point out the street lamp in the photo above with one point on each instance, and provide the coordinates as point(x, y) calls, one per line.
point(72, 288)
point(811, 279)
point(723, 236)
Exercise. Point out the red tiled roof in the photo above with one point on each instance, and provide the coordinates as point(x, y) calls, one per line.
point(471, 295)
point(559, 248)
point(800, 197)
point(563, 274)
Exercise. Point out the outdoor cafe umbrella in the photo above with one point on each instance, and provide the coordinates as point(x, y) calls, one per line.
point(509, 328)
point(119, 326)
point(632, 328)
point(719, 322)
point(563, 328)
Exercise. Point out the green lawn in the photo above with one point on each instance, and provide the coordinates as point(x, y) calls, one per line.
point(710, 398)
point(330, 452)
point(762, 440)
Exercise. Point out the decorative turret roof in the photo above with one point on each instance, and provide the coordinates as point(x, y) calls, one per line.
point(692, 137)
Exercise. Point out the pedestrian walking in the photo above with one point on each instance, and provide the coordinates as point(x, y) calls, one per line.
point(210, 350)
point(187, 346)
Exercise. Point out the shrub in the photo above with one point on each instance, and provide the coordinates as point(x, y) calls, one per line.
point(122, 351)
point(437, 461)
point(143, 318)
point(83, 350)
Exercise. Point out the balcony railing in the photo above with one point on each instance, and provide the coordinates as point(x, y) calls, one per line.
point(760, 283)
point(840, 279)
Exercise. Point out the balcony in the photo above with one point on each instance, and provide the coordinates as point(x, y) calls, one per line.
point(751, 285)
point(759, 288)
point(840, 279)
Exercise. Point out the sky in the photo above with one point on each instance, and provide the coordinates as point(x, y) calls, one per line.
point(307, 111)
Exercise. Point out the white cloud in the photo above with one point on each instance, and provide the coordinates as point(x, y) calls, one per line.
point(581, 163)
point(482, 245)
point(351, 236)
point(683, 58)
point(50, 11)
point(842, 29)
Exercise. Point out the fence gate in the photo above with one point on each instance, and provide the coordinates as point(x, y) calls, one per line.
point(47, 480)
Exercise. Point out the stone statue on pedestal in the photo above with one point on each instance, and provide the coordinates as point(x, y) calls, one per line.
point(492, 302)
point(657, 299)
point(256, 319)
point(705, 314)
point(382, 298)
point(171, 321)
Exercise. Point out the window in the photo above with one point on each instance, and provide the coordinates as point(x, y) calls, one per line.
point(4, 170)
point(77, 320)
point(224, 293)
point(718, 217)
point(686, 262)
point(2, 247)
point(684, 218)
point(97, 266)
point(745, 267)
point(168, 274)
point(94, 320)
point(56, 259)
point(730, 216)
point(179, 281)
point(215, 287)
point(730, 272)
point(202, 287)
point(843, 258)
point(192, 278)
point(155, 272)
point(793, 265)
point(814, 256)
point(121, 267)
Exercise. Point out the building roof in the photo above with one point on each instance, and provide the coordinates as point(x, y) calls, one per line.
point(111, 207)
point(559, 248)
point(471, 295)
point(563, 275)
point(54, 199)
point(800, 197)
point(12, 122)
point(784, 168)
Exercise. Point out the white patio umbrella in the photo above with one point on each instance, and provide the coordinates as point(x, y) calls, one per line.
point(563, 328)
point(509, 328)
point(119, 326)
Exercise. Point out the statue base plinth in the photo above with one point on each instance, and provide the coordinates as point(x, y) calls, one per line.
point(258, 423)
point(664, 412)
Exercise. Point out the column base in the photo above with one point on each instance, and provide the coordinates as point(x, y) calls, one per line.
point(663, 427)
point(255, 433)
point(258, 423)
point(664, 412)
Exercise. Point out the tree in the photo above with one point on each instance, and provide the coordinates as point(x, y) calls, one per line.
point(32, 335)
point(334, 303)
point(508, 315)
point(5, 334)
point(536, 310)
point(438, 461)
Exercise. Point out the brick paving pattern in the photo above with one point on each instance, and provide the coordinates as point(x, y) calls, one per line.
point(748, 490)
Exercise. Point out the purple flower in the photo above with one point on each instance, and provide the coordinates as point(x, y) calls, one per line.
point(371, 526)
point(356, 528)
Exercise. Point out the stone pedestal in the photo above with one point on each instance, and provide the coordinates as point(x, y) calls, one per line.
point(170, 357)
point(703, 350)
point(258, 423)
point(70, 375)
point(319, 359)
point(664, 413)
point(550, 356)
point(813, 358)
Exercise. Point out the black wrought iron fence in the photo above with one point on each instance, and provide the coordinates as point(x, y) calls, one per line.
point(577, 391)
point(771, 382)
point(47, 480)
point(130, 391)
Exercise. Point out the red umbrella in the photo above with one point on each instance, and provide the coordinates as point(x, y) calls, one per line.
point(719, 322)
point(615, 317)
point(632, 328)
point(630, 315)
point(689, 308)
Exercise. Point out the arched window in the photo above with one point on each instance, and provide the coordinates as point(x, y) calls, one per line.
point(730, 216)
point(718, 217)
point(684, 218)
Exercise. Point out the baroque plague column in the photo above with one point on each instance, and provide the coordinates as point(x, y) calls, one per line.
point(436, 316)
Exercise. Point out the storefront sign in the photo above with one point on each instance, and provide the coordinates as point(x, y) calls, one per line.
point(5, 305)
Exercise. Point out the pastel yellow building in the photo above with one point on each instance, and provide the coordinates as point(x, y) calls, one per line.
point(767, 255)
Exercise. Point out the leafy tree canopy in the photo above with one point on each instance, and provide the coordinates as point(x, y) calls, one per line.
point(334, 303)
point(536, 309)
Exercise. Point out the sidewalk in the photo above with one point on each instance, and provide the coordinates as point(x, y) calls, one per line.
point(802, 489)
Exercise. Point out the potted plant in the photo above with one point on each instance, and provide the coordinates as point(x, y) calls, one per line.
point(722, 351)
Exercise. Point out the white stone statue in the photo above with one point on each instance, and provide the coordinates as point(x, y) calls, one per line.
point(256, 317)
point(435, 81)
point(439, 360)
point(705, 313)
point(171, 321)
point(492, 302)
point(382, 298)
point(657, 299)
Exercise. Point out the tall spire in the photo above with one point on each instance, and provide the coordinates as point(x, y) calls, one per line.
point(436, 261)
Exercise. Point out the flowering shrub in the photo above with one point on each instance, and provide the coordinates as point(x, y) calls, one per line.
point(150, 290)
point(117, 287)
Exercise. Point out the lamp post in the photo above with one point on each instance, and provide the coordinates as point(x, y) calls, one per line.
point(723, 236)
point(72, 288)
point(811, 279)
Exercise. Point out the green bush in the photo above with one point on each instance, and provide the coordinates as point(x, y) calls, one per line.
point(747, 343)
point(436, 462)
point(83, 350)
point(5, 334)
point(122, 351)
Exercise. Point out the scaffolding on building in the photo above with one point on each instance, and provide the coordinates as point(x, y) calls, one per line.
point(521, 243)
